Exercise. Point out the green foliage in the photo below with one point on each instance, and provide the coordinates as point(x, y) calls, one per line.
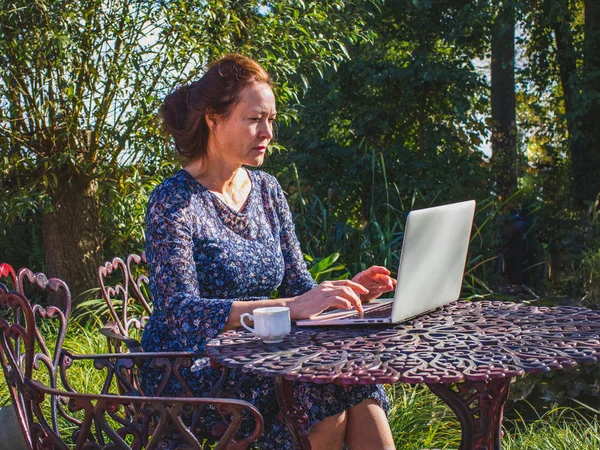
point(562, 99)
point(324, 269)
point(590, 272)
point(80, 338)
point(81, 82)
point(324, 229)
point(401, 118)
point(558, 429)
point(21, 243)
point(125, 200)
point(420, 420)
point(364, 238)
point(413, 87)
point(590, 264)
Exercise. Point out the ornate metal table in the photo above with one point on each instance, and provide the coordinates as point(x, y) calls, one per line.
point(466, 353)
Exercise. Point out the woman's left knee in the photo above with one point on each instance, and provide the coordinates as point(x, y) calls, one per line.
point(367, 403)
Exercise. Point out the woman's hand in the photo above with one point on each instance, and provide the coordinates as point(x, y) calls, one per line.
point(342, 294)
point(377, 280)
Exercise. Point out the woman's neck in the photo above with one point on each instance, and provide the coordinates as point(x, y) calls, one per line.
point(231, 184)
point(214, 176)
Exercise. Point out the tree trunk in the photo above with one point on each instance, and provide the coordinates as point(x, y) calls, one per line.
point(504, 128)
point(556, 268)
point(504, 132)
point(589, 170)
point(72, 236)
point(562, 20)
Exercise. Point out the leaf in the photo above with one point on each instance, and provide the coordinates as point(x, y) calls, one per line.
point(343, 48)
point(324, 263)
point(304, 80)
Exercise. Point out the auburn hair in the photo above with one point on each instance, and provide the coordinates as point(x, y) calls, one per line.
point(184, 111)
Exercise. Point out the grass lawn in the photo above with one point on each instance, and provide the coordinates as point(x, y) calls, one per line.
point(419, 420)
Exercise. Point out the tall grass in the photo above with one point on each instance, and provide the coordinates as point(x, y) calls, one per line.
point(83, 339)
point(557, 429)
point(359, 240)
point(590, 267)
point(419, 420)
point(374, 236)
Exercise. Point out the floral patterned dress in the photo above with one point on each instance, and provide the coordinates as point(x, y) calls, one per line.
point(203, 256)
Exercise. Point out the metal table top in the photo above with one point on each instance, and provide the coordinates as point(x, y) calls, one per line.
point(476, 341)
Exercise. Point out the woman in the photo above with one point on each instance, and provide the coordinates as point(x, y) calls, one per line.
point(220, 238)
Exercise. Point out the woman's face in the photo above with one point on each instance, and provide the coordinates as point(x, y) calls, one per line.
point(242, 137)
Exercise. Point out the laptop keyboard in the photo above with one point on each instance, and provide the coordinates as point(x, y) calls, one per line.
point(384, 311)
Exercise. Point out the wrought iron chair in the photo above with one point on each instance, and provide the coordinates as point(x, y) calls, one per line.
point(7, 273)
point(23, 282)
point(8, 280)
point(54, 414)
point(124, 287)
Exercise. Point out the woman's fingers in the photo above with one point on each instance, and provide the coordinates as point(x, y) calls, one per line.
point(356, 287)
point(341, 302)
point(348, 291)
point(336, 302)
point(385, 282)
point(377, 285)
point(343, 294)
point(354, 299)
point(378, 269)
point(380, 283)
point(371, 272)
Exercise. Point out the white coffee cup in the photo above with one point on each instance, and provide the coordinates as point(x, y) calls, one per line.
point(271, 324)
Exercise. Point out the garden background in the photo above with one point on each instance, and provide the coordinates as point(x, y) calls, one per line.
point(384, 107)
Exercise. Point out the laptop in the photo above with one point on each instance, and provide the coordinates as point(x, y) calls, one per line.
point(430, 275)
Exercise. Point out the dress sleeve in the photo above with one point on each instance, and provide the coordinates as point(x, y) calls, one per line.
point(296, 278)
point(191, 319)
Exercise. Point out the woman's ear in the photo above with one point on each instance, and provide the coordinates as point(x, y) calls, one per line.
point(211, 119)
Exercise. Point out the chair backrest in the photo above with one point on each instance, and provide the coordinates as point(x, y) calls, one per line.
point(124, 287)
point(27, 355)
point(8, 277)
point(35, 366)
point(8, 282)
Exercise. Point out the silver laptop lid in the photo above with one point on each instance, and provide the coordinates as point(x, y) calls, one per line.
point(433, 258)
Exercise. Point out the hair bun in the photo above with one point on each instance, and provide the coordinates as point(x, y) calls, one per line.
point(174, 111)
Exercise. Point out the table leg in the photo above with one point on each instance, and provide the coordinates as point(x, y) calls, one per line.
point(479, 407)
point(295, 419)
